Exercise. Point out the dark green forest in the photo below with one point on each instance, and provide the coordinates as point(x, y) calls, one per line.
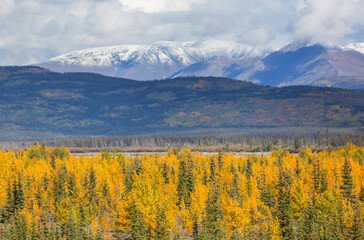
point(36, 103)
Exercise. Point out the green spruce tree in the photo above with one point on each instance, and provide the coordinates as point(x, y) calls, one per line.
point(212, 223)
point(9, 209)
point(138, 224)
point(234, 191)
point(308, 227)
point(284, 212)
point(19, 198)
point(361, 194)
point(347, 186)
point(161, 231)
point(185, 185)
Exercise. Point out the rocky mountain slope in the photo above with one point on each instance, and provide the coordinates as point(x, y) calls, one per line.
point(299, 63)
point(295, 64)
point(145, 62)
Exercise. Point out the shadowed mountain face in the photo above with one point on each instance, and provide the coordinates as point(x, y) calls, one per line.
point(299, 63)
point(288, 66)
point(38, 103)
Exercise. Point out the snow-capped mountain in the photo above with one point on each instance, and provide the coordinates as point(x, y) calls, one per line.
point(146, 62)
point(299, 63)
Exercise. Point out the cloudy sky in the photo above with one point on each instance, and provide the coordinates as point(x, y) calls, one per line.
point(32, 31)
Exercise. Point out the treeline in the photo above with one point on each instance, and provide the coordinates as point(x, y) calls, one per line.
point(47, 193)
point(262, 142)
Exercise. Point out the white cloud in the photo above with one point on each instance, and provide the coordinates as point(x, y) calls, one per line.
point(332, 21)
point(34, 30)
point(152, 6)
point(6, 8)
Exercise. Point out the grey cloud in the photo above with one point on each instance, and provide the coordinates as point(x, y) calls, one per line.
point(33, 30)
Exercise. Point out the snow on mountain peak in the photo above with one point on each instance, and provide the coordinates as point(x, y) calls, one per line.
point(159, 52)
point(359, 47)
point(294, 46)
point(158, 60)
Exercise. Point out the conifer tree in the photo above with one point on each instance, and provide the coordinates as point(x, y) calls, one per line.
point(72, 185)
point(137, 166)
point(105, 191)
point(212, 228)
point(70, 229)
point(347, 182)
point(284, 212)
point(324, 183)
point(59, 184)
point(19, 198)
point(99, 236)
point(204, 177)
point(235, 235)
point(82, 223)
point(297, 142)
point(34, 234)
point(308, 226)
point(165, 173)
point(332, 226)
point(185, 181)
point(212, 169)
point(316, 174)
point(43, 229)
point(91, 191)
point(161, 232)
point(357, 229)
point(234, 189)
point(361, 194)
point(248, 168)
point(128, 178)
point(266, 195)
point(53, 161)
point(10, 203)
point(137, 222)
point(56, 232)
point(196, 230)
point(18, 229)
point(298, 169)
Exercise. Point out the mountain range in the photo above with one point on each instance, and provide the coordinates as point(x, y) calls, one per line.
point(147, 62)
point(37, 103)
point(299, 63)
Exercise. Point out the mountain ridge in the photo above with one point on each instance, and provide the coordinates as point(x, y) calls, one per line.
point(37, 103)
point(298, 63)
point(305, 64)
point(144, 62)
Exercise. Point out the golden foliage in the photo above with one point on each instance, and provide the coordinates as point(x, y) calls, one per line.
point(59, 186)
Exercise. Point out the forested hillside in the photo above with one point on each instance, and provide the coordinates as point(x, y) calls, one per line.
point(50, 194)
point(36, 103)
